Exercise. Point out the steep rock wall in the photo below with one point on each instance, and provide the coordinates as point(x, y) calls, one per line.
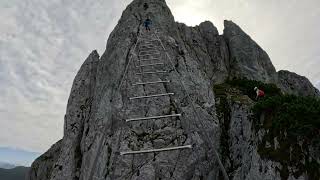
point(95, 127)
point(42, 168)
point(247, 58)
point(112, 107)
point(251, 150)
point(204, 45)
point(293, 83)
point(68, 163)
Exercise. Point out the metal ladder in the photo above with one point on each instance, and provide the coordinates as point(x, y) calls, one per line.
point(149, 49)
point(149, 55)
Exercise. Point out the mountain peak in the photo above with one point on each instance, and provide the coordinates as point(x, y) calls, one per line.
point(146, 108)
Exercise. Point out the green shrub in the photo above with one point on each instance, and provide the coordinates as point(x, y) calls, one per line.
point(298, 116)
point(292, 120)
point(247, 86)
point(295, 115)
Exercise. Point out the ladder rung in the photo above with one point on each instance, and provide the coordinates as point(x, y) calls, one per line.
point(153, 117)
point(157, 72)
point(141, 52)
point(148, 51)
point(148, 46)
point(149, 59)
point(150, 54)
point(155, 64)
point(151, 96)
point(147, 36)
point(148, 40)
point(156, 150)
point(156, 82)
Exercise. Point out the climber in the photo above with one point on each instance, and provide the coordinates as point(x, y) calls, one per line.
point(145, 6)
point(260, 93)
point(147, 24)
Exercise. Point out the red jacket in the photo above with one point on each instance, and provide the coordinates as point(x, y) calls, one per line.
point(261, 93)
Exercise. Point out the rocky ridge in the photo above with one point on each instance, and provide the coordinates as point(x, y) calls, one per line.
point(95, 130)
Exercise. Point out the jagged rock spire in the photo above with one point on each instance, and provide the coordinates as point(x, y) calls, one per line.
point(247, 58)
point(95, 127)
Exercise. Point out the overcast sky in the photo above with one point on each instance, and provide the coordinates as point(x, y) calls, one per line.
point(43, 44)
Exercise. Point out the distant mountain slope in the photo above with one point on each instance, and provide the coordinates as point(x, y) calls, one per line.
point(17, 157)
point(5, 165)
point(18, 173)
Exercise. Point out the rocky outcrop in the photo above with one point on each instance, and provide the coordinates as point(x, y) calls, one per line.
point(293, 83)
point(204, 45)
point(245, 160)
point(42, 168)
point(108, 133)
point(247, 58)
point(78, 112)
point(250, 151)
point(194, 58)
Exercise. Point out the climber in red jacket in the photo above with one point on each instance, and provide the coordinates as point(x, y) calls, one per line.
point(260, 93)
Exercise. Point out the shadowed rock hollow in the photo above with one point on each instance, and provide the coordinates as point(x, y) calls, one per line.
point(95, 130)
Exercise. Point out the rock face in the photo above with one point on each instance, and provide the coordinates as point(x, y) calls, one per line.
point(241, 140)
point(79, 106)
point(247, 59)
point(42, 168)
point(293, 83)
point(64, 159)
point(204, 44)
point(247, 147)
point(194, 59)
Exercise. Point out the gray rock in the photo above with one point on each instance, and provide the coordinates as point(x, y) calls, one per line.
point(292, 83)
point(205, 46)
point(67, 164)
point(195, 58)
point(76, 120)
point(247, 58)
point(42, 168)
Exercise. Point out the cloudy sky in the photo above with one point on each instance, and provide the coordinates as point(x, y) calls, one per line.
point(43, 44)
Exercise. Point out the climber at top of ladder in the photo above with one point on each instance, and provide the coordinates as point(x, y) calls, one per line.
point(147, 24)
point(145, 6)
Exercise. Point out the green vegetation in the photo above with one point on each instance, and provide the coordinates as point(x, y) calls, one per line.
point(223, 113)
point(295, 121)
point(292, 124)
point(247, 86)
point(298, 116)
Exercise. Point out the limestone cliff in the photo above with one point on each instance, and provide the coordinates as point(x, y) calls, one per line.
point(293, 83)
point(192, 60)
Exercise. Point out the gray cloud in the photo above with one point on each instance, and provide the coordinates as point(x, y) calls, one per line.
point(288, 29)
point(43, 44)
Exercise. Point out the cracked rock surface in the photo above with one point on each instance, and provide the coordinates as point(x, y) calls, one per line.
point(194, 59)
